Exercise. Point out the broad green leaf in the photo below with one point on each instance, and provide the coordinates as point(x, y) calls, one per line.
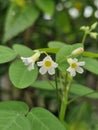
point(44, 120)
point(91, 65)
point(20, 76)
point(62, 55)
point(23, 50)
point(56, 44)
point(10, 120)
point(18, 19)
point(81, 90)
point(90, 54)
point(6, 54)
point(14, 106)
point(47, 6)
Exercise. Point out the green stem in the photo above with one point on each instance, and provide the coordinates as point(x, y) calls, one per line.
point(87, 94)
point(64, 103)
point(84, 37)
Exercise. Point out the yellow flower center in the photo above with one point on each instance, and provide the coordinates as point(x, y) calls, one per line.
point(74, 65)
point(47, 63)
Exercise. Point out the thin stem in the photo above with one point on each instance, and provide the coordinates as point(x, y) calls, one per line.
point(57, 90)
point(64, 103)
point(84, 37)
point(74, 99)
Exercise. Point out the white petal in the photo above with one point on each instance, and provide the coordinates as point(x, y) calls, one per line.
point(73, 72)
point(55, 65)
point(31, 67)
point(26, 60)
point(69, 69)
point(81, 63)
point(79, 70)
point(42, 70)
point(40, 63)
point(51, 71)
point(48, 58)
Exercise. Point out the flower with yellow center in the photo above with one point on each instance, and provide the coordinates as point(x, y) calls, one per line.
point(30, 61)
point(75, 66)
point(47, 65)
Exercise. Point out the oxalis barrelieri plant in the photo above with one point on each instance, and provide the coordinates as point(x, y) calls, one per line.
point(61, 61)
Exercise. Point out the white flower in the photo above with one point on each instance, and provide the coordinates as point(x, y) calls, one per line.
point(75, 66)
point(30, 61)
point(47, 65)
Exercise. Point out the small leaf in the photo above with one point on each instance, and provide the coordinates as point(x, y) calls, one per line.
point(91, 65)
point(20, 76)
point(56, 44)
point(6, 54)
point(18, 19)
point(43, 119)
point(23, 50)
point(82, 90)
point(14, 106)
point(47, 6)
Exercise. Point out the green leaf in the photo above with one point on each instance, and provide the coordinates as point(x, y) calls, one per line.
point(82, 90)
point(13, 121)
point(14, 106)
point(12, 116)
point(56, 44)
point(66, 50)
point(62, 55)
point(18, 19)
point(20, 76)
point(91, 65)
point(23, 50)
point(47, 6)
point(43, 119)
point(6, 54)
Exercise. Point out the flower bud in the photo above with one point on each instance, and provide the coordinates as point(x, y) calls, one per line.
point(77, 51)
point(93, 35)
point(84, 28)
point(93, 26)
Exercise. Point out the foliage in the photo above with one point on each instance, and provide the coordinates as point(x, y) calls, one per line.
point(53, 23)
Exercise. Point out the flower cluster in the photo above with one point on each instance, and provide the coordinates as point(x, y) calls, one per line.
point(48, 65)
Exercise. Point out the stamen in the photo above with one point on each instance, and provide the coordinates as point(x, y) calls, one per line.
point(47, 63)
point(74, 65)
